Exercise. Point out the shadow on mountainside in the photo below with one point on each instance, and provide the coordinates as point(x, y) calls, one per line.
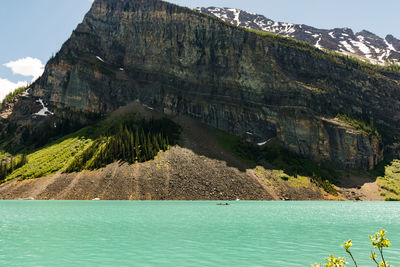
point(199, 168)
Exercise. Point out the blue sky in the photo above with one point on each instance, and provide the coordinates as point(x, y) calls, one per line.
point(32, 30)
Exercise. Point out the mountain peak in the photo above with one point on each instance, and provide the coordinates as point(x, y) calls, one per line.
point(364, 45)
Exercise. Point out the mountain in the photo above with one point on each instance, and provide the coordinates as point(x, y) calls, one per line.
point(267, 106)
point(364, 45)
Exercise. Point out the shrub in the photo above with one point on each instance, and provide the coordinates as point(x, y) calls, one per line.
point(378, 241)
point(358, 124)
point(11, 95)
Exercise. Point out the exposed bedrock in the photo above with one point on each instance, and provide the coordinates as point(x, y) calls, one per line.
point(178, 61)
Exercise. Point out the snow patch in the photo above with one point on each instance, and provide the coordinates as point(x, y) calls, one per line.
point(390, 46)
point(377, 50)
point(249, 133)
point(363, 48)
point(317, 45)
point(347, 46)
point(291, 30)
point(288, 28)
point(381, 57)
point(44, 111)
point(121, 69)
point(331, 35)
point(265, 142)
point(236, 13)
point(146, 106)
point(99, 58)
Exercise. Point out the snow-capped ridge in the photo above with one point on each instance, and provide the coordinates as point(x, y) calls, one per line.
point(364, 44)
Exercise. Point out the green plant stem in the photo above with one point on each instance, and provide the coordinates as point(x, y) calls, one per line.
point(383, 259)
point(377, 264)
point(351, 255)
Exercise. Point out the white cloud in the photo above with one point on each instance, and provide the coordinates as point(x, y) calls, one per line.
point(7, 86)
point(27, 67)
point(91, 1)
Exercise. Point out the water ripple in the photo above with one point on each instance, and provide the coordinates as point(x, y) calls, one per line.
point(124, 233)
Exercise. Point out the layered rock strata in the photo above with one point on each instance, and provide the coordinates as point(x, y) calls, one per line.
point(182, 62)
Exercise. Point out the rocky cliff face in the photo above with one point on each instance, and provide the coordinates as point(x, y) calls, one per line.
point(179, 61)
point(364, 44)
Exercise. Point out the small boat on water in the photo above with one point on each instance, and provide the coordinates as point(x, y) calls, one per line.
point(222, 204)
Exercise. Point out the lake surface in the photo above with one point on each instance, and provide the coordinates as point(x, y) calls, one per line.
point(136, 233)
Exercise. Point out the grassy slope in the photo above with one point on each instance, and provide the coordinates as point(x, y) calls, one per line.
point(285, 165)
point(58, 155)
point(51, 158)
point(390, 182)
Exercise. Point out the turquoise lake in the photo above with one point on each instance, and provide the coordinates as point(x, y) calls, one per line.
point(192, 233)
